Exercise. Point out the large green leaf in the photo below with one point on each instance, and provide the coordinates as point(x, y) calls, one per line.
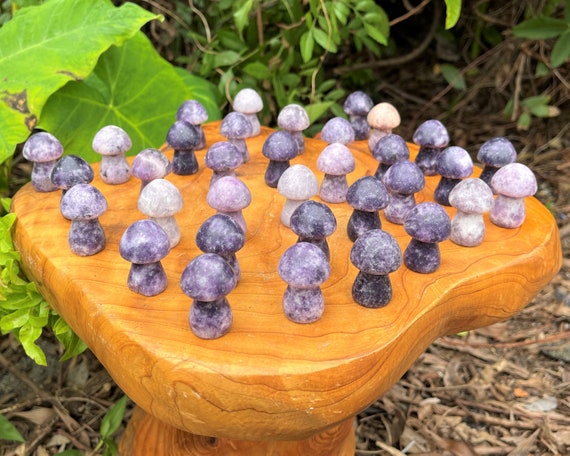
point(132, 87)
point(43, 47)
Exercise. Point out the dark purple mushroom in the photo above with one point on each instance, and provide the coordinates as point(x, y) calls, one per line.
point(194, 112)
point(150, 164)
point(388, 150)
point(236, 127)
point(222, 235)
point(208, 279)
point(494, 154)
point(304, 267)
point(512, 184)
point(223, 158)
point(335, 161)
point(427, 224)
point(313, 222)
point(294, 119)
point(337, 130)
point(112, 142)
point(279, 148)
point(453, 164)
point(366, 196)
point(403, 180)
point(144, 243)
point(432, 137)
point(297, 184)
point(183, 138)
point(356, 107)
point(71, 170)
point(249, 103)
point(44, 150)
point(375, 254)
point(229, 195)
point(382, 119)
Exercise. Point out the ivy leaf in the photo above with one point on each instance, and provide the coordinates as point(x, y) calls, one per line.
point(8, 431)
point(453, 11)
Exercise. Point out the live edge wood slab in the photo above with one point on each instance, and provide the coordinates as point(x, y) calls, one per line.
point(269, 386)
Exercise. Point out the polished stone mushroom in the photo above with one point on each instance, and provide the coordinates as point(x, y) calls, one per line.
point(494, 154)
point(337, 130)
point(356, 107)
point(249, 103)
point(294, 119)
point(230, 195)
point(280, 148)
point(453, 164)
point(112, 142)
point(236, 127)
point(382, 119)
point(313, 222)
point(335, 161)
point(44, 150)
point(149, 164)
point(388, 150)
point(403, 180)
point(297, 184)
point(432, 137)
point(223, 158)
point(183, 138)
point(71, 170)
point(367, 196)
point(194, 112)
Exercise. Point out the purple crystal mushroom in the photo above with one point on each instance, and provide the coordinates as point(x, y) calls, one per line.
point(44, 150)
point(356, 107)
point(208, 279)
point(366, 196)
point(512, 184)
point(427, 224)
point(335, 161)
point(297, 184)
point(494, 154)
point(83, 204)
point(112, 142)
point(183, 138)
point(382, 119)
point(432, 137)
point(222, 235)
point(304, 267)
point(229, 195)
point(453, 164)
point(144, 243)
point(71, 170)
point(194, 112)
point(313, 222)
point(403, 180)
point(294, 119)
point(375, 254)
point(223, 158)
point(280, 148)
point(236, 127)
point(150, 164)
point(388, 150)
point(249, 103)
point(472, 197)
point(337, 130)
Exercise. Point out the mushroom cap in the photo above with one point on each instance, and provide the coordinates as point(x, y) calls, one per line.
point(337, 130)
point(144, 242)
point(298, 182)
point(404, 177)
point(111, 140)
point(293, 117)
point(431, 133)
point(223, 155)
point(390, 149)
point(304, 265)
point(376, 252)
point(71, 170)
point(247, 101)
point(454, 162)
point(497, 152)
point(83, 202)
point(236, 125)
point(160, 198)
point(208, 277)
point(428, 222)
point(336, 159)
point(383, 116)
point(472, 196)
point(514, 180)
point(367, 194)
point(280, 146)
point(228, 194)
point(313, 220)
point(358, 103)
point(193, 112)
point(150, 164)
point(220, 234)
point(42, 147)
point(182, 136)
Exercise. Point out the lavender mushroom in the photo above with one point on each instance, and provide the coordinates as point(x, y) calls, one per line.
point(208, 279)
point(229, 195)
point(279, 148)
point(183, 138)
point(356, 106)
point(512, 184)
point(223, 158)
point(294, 119)
point(297, 184)
point(313, 222)
point(382, 119)
point(43, 149)
point(453, 164)
point(376, 254)
point(494, 154)
point(337, 130)
point(388, 150)
point(403, 180)
point(150, 164)
point(432, 137)
point(366, 196)
point(427, 224)
point(335, 161)
point(472, 197)
point(144, 243)
point(112, 142)
point(249, 103)
point(71, 170)
point(304, 267)
point(194, 112)
point(236, 127)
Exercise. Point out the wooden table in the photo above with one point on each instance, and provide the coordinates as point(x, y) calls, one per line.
point(269, 386)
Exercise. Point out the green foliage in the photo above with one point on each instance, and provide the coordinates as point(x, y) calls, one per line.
point(537, 106)
point(8, 431)
point(453, 12)
point(109, 425)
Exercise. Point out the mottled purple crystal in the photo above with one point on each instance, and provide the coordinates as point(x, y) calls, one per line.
point(43, 150)
point(337, 130)
point(236, 127)
point(453, 164)
point(183, 138)
point(314, 222)
point(210, 319)
point(112, 142)
point(366, 196)
point(194, 112)
point(403, 180)
point(279, 148)
point(294, 119)
point(356, 106)
point(335, 161)
point(432, 137)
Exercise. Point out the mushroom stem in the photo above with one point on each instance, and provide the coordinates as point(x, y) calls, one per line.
point(241, 146)
point(400, 205)
point(381, 170)
point(238, 217)
point(184, 162)
point(427, 159)
point(334, 188)
point(422, 257)
point(288, 208)
point(362, 221)
point(170, 227)
point(299, 140)
point(303, 305)
point(444, 187)
point(371, 290)
point(255, 124)
point(360, 127)
point(231, 259)
point(41, 176)
point(467, 229)
point(201, 137)
point(115, 169)
point(86, 237)
point(487, 174)
point(374, 136)
point(508, 212)
point(210, 319)
point(147, 279)
point(274, 170)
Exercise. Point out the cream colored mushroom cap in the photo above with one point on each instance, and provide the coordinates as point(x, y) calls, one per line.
point(383, 116)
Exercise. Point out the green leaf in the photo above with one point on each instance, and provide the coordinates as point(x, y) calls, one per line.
point(453, 76)
point(241, 15)
point(27, 337)
point(540, 28)
point(8, 431)
point(113, 418)
point(317, 110)
point(324, 40)
point(523, 123)
point(258, 70)
point(453, 11)
point(226, 58)
point(307, 45)
point(43, 47)
point(561, 49)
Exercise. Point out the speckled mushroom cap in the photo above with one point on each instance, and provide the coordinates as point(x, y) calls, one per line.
point(42, 147)
point(313, 220)
point(390, 149)
point(228, 194)
point(144, 242)
point(514, 180)
point(71, 170)
point(220, 234)
point(150, 164)
point(293, 117)
point(383, 116)
point(223, 155)
point(235, 125)
point(304, 265)
point(367, 194)
point(280, 146)
point(376, 252)
point(472, 196)
point(336, 160)
point(497, 152)
point(428, 222)
point(111, 140)
point(358, 103)
point(193, 112)
point(160, 198)
point(298, 182)
point(431, 133)
point(83, 202)
point(207, 277)
point(247, 101)
point(454, 162)
point(337, 130)
point(182, 136)
point(404, 177)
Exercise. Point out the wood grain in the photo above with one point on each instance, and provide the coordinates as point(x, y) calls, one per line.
point(269, 378)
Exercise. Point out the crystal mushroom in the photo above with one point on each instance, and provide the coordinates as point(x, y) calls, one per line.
point(223, 158)
point(236, 127)
point(71, 170)
point(356, 107)
point(183, 138)
point(432, 137)
point(388, 150)
point(453, 164)
point(297, 184)
point(150, 164)
point(294, 119)
point(280, 148)
point(249, 103)
point(313, 222)
point(229, 195)
point(337, 130)
point(382, 119)
point(44, 150)
point(112, 142)
point(494, 154)
point(366, 196)
point(335, 161)
point(194, 112)
point(403, 180)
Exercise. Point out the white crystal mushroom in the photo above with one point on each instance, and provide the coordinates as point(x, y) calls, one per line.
point(382, 119)
point(249, 103)
point(112, 142)
point(297, 184)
